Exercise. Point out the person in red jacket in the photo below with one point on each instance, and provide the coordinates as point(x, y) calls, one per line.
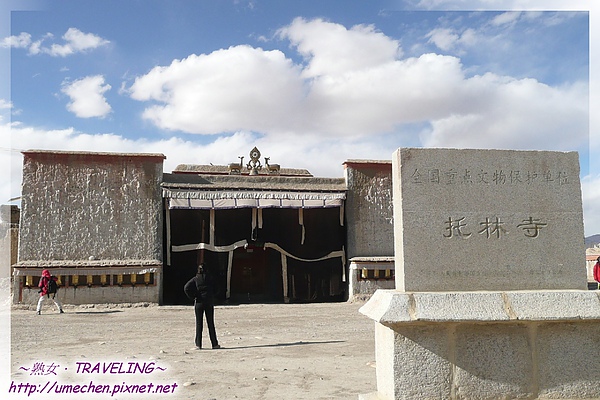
point(597, 270)
point(43, 285)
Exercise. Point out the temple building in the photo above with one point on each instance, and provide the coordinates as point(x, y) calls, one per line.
point(115, 228)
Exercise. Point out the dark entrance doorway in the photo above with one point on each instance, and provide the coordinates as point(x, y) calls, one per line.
point(255, 276)
point(248, 273)
point(280, 243)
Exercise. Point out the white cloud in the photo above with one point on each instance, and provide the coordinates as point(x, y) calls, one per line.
point(76, 41)
point(354, 85)
point(547, 18)
point(227, 90)
point(469, 37)
point(5, 105)
point(444, 38)
point(36, 47)
point(21, 41)
point(522, 114)
point(502, 4)
point(493, 34)
point(87, 97)
point(331, 49)
point(507, 18)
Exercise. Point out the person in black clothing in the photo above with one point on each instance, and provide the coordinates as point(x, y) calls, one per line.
point(201, 289)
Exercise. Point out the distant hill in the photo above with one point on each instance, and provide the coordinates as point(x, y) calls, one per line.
point(590, 241)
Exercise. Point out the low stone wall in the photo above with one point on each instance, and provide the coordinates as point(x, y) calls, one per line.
point(95, 295)
point(368, 274)
point(92, 285)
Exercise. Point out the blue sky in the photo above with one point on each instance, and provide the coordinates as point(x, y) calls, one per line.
point(310, 83)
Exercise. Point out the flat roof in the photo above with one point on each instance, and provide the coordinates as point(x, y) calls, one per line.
point(355, 161)
point(224, 170)
point(34, 152)
point(256, 182)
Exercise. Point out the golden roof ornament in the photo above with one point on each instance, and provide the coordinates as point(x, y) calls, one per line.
point(254, 164)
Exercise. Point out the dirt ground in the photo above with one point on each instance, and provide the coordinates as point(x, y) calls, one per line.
point(270, 351)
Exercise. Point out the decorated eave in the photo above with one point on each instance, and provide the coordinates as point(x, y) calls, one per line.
point(231, 191)
point(249, 186)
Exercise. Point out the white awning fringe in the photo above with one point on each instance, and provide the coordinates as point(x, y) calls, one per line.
point(250, 194)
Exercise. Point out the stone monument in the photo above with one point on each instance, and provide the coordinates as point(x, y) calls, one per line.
point(490, 299)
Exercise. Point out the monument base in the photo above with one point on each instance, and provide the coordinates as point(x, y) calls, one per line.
point(486, 345)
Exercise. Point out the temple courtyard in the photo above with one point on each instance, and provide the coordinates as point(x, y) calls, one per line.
point(269, 351)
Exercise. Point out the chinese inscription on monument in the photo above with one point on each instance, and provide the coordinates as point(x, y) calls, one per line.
point(503, 219)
